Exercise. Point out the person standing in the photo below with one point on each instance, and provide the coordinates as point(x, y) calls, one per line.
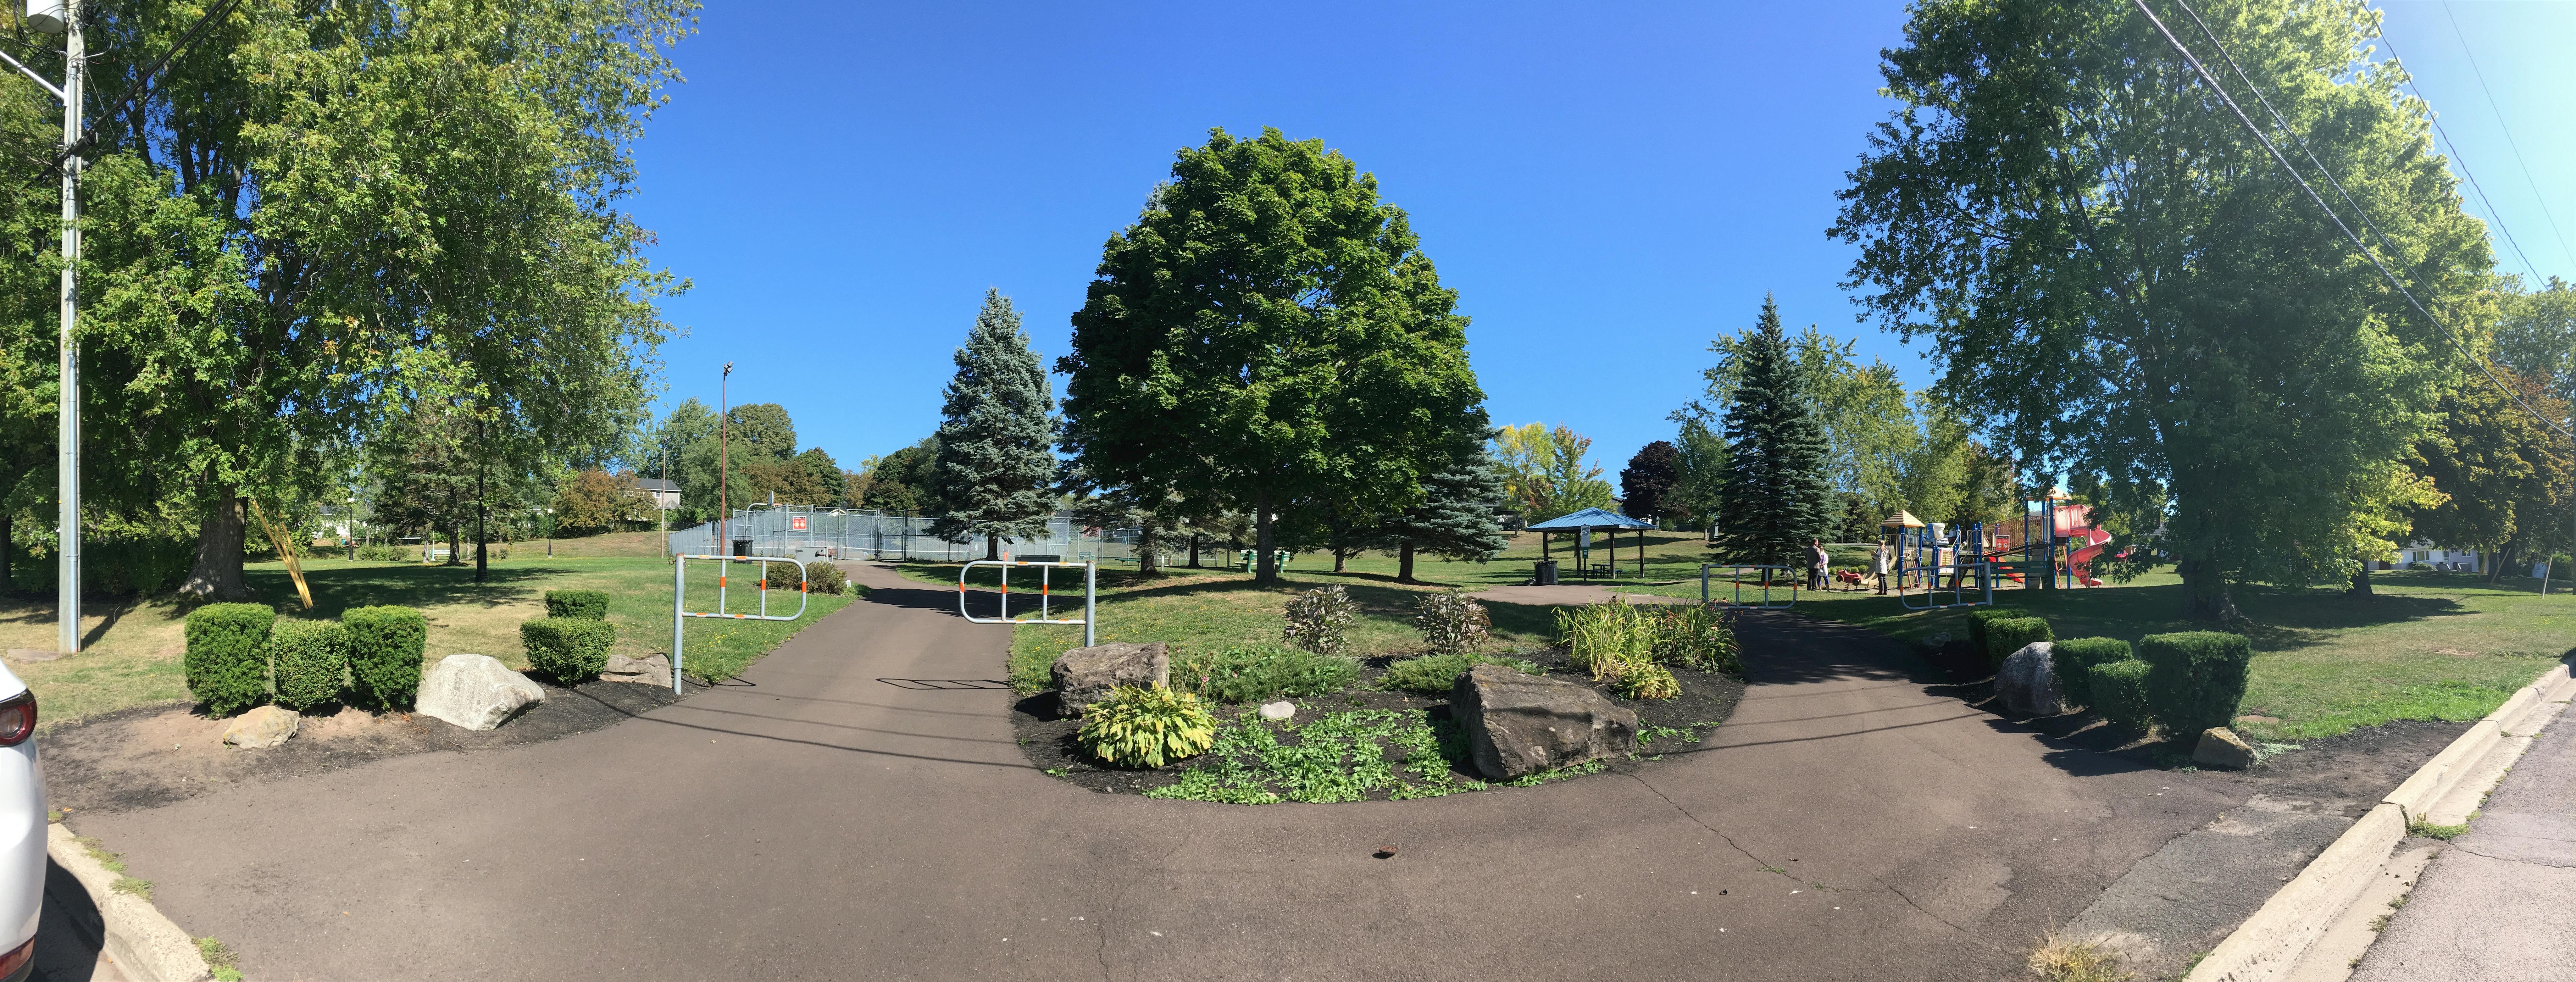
point(1816, 560)
point(1878, 564)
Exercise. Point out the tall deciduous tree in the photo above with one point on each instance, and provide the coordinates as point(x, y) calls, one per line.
point(1702, 448)
point(1651, 481)
point(1774, 496)
point(2501, 474)
point(2117, 275)
point(1268, 332)
point(997, 438)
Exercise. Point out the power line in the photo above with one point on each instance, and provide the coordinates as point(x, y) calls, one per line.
point(2494, 217)
point(2508, 130)
point(2364, 248)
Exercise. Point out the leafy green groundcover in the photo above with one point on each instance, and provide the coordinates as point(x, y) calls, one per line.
point(1343, 756)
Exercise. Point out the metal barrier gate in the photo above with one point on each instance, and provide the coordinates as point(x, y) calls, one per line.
point(1737, 577)
point(680, 586)
point(1982, 571)
point(1090, 594)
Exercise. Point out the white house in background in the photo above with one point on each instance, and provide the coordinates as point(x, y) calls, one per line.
point(2438, 557)
point(665, 494)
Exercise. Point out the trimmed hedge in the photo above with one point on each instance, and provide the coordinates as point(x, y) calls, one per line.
point(2005, 636)
point(2074, 658)
point(825, 577)
point(227, 659)
point(1979, 617)
point(310, 657)
point(567, 649)
point(2119, 692)
point(385, 645)
point(2195, 678)
point(588, 605)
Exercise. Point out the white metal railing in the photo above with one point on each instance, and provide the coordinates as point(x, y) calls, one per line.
point(1090, 594)
point(1982, 571)
point(1789, 580)
point(680, 586)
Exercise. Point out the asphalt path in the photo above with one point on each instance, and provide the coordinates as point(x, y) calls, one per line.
point(858, 809)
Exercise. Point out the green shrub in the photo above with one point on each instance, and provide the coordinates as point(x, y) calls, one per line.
point(1649, 680)
point(1604, 639)
point(2195, 678)
point(1700, 637)
point(1437, 675)
point(825, 577)
point(2005, 636)
point(385, 646)
point(588, 605)
point(1146, 727)
point(227, 659)
point(310, 658)
point(567, 649)
point(1258, 672)
point(2119, 692)
point(1319, 620)
point(2073, 660)
point(387, 554)
point(1450, 622)
point(1979, 617)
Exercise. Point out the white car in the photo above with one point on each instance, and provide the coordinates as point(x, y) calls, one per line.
point(22, 830)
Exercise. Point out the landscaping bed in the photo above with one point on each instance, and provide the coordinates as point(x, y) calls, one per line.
point(1361, 743)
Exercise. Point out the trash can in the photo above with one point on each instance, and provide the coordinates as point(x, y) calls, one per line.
point(742, 547)
point(1546, 573)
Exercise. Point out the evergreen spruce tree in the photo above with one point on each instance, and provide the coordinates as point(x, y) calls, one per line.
point(1773, 495)
point(1460, 516)
point(996, 436)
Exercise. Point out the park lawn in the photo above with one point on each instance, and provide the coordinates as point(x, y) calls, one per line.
point(133, 647)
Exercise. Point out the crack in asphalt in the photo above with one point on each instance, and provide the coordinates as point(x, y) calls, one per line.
point(1758, 863)
point(1918, 908)
point(2472, 849)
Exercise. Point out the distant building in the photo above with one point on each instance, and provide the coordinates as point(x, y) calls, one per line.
point(665, 494)
point(2437, 557)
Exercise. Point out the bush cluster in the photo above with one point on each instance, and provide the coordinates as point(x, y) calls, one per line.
point(1437, 675)
point(386, 554)
point(588, 605)
point(1254, 673)
point(2195, 678)
point(825, 577)
point(1319, 620)
point(227, 658)
point(2008, 635)
point(1626, 646)
point(1700, 637)
point(2118, 691)
point(1146, 727)
point(1979, 617)
point(2073, 660)
point(311, 659)
point(385, 646)
point(567, 649)
point(1450, 622)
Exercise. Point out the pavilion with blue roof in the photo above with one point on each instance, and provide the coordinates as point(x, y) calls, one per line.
point(1581, 523)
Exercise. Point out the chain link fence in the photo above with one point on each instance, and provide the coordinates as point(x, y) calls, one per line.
point(796, 530)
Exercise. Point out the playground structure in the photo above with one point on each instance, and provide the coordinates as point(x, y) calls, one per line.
point(2051, 546)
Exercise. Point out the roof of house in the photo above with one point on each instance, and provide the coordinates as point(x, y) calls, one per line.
point(1590, 518)
point(657, 484)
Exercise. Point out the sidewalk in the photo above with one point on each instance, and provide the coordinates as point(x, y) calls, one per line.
point(2493, 905)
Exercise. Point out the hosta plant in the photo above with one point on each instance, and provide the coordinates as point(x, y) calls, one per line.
point(1139, 726)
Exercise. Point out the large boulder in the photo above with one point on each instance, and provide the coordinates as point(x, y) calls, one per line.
point(2027, 682)
point(1085, 675)
point(266, 726)
point(653, 670)
point(476, 692)
point(1518, 725)
point(2220, 747)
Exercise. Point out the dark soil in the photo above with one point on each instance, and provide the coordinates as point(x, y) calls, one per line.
point(153, 755)
point(1048, 739)
point(2356, 769)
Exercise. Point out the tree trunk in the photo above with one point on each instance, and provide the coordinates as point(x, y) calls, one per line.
point(456, 545)
point(1265, 566)
point(216, 574)
point(992, 547)
point(2502, 560)
point(1341, 561)
point(1148, 560)
point(1404, 563)
point(1194, 554)
point(2205, 596)
point(2360, 588)
point(482, 534)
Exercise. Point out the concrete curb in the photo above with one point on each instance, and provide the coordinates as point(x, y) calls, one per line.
point(2274, 942)
point(147, 946)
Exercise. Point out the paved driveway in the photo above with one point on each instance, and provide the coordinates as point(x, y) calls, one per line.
point(846, 815)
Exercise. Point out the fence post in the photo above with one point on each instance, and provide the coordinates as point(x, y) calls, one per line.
point(1090, 607)
point(679, 584)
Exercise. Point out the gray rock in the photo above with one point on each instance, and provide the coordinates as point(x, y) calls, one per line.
point(476, 692)
point(651, 670)
point(266, 726)
point(1282, 709)
point(2220, 747)
point(1518, 725)
point(2027, 683)
point(1085, 675)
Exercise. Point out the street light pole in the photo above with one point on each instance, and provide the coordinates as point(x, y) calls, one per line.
point(67, 551)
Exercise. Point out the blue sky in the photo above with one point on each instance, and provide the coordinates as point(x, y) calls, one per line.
point(841, 183)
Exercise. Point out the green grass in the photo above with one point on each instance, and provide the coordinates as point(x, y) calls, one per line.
point(2429, 830)
point(133, 649)
point(1341, 756)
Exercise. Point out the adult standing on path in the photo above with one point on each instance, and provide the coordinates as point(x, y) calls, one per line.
point(1817, 559)
point(2493, 905)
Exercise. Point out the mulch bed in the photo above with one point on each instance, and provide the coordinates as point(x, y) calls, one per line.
point(153, 755)
point(1048, 739)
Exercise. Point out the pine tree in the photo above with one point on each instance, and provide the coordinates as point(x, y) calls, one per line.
point(1460, 514)
point(1773, 495)
point(997, 436)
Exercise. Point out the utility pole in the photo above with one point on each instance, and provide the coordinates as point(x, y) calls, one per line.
point(63, 17)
